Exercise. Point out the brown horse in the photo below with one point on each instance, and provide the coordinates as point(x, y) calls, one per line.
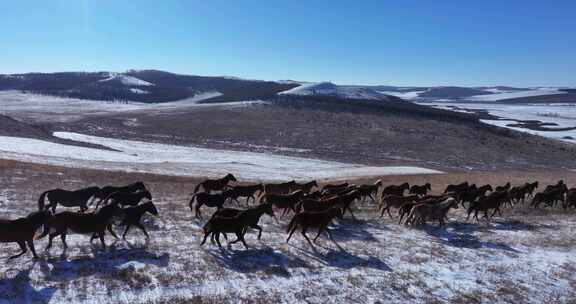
point(231, 212)
point(395, 201)
point(395, 190)
point(420, 190)
point(22, 230)
point(305, 187)
point(457, 188)
point(106, 191)
point(210, 200)
point(236, 224)
point(370, 191)
point(84, 223)
point(215, 184)
point(281, 188)
point(485, 204)
point(286, 202)
point(77, 198)
point(249, 192)
point(319, 220)
point(423, 212)
point(334, 188)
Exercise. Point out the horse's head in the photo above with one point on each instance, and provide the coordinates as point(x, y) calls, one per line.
point(378, 183)
point(230, 177)
point(140, 185)
point(428, 186)
point(150, 207)
point(148, 195)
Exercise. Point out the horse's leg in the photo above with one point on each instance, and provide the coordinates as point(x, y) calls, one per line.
point(126, 231)
point(206, 234)
point(259, 230)
point(53, 205)
point(198, 205)
point(303, 232)
point(319, 232)
point(101, 235)
point(143, 229)
point(291, 232)
point(31, 246)
point(63, 238)
point(218, 240)
point(22, 245)
point(109, 228)
point(50, 241)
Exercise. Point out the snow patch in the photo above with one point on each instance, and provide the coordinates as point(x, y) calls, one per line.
point(126, 80)
point(517, 94)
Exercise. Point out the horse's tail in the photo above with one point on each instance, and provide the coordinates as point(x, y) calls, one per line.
point(192, 201)
point(197, 187)
point(41, 199)
point(293, 222)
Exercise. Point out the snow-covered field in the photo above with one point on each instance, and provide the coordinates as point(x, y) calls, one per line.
point(498, 95)
point(137, 156)
point(328, 88)
point(564, 115)
point(514, 259)
point(40, 108)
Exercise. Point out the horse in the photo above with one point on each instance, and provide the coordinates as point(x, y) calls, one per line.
point(423, 211)
point(369, 190)
point(420, 190)
point(550, 196)
point(492, 201)
point(126, 198)
point(406, 208)
point(210, 200)
point(395, 201)
point(252, 217)
point(282, 201)
point(305, 187)
point(215, 184)
point(249, 192)
point(281, 188)
point(395, 190)
point(106, 191)
point(319, 220)
point(132, 216)
point(85, 223)
point(457, 188)
point(334, 188)
point(570, 199)
point(503, 188)
point(236, 224)
point(341, 201)
point(529, 188)
point(22, 230)
point(77, 198)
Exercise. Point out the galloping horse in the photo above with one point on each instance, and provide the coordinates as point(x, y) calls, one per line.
point(420, 190)
point(319, 220)
point(126, 198)
point(78, 198)
point(210, 200)
point(85, 223)
point(22, 230)
point(106, 191)
point(132, 216)
point(215, 184)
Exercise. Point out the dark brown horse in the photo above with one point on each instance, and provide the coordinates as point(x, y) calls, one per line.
point(231, 212)
point(210, 200)
point(307, 220)
point(281, 188)
point(84, 223)
point(237, 224)
point(420, 190)
point(77, 198)
point(395, 190)
point(370, 191)
point(287, 202)
point(215, 184)
point(132, 216)
point(457, 188)
point(106, 191)
point(249, 192)
point(126, 198)
point(333, 188)
point(395, 201)
point(305, 187)
point(487, 203)
point(22, 230)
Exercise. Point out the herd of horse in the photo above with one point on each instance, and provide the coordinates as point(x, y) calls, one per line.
point(312, 206)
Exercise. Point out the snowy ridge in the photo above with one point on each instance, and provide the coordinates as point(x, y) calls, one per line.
point(126, 80)
point(330, 89)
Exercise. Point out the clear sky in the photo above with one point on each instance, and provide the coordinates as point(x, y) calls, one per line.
point(402, 42)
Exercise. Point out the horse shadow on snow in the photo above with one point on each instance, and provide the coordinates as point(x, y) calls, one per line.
point(461, 236)
point(19, 289)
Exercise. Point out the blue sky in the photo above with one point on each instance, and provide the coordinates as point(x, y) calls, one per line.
point(404, 42)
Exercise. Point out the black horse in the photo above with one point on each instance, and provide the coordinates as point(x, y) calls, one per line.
point(22, 230)
point(78, 198)
point(106, 191)
point(132, 216)
point(126, 198)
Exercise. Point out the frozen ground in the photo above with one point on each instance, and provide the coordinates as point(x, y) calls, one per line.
point(522, 257)
point(138, 156)
point(563, 115)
